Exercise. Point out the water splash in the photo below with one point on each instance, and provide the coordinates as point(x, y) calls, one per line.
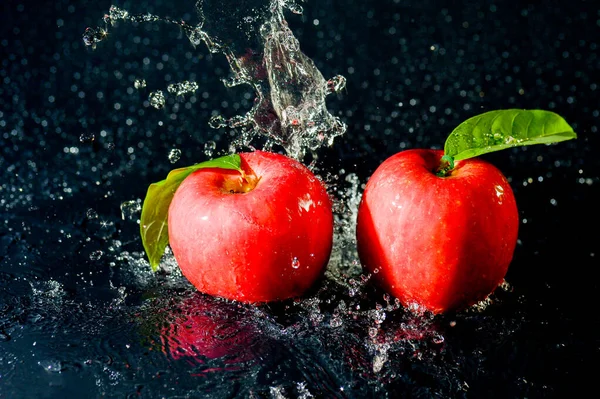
point(209, 148)
point(157, 99)
point(139, 83)
point(174, 155)
point(130, 210)
point(289, 108)
point(344, 262)
point(93, 36)
point(182, 88)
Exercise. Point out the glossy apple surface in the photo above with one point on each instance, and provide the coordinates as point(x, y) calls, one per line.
point(443, 243)
point(262, 236)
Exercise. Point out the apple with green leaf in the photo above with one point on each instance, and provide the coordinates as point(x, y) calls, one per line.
point(438, 229)
point(251, 227)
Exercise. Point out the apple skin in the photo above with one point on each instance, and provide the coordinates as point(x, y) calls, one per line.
point(442, 243)
point(248, 243)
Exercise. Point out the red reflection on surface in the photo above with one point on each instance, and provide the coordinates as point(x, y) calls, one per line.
point(201, 328)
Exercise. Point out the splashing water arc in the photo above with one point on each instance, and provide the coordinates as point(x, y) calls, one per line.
point(263, 52)
point(289, 108)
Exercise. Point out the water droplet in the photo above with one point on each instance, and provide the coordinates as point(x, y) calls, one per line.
point(157, 99)
point(181, 88)
point(499, 191)
point(130, 209)
point(195, 36)
point(378, 315)
point(217, 121)
point(96, 255)
point(91, 214)
point(437, 338)
point(4, 337)
point(303, 392)
point(481, 306)
point(293, 6)
point(116, 245)
point(139, 83)
point(291, 117)
point(295, 263)
point(336, 84)
point(277, 392)
point(93, 36)
point(378, 361)
point(209, 148)
point(505, 286)
point(335, 321)
point(116, 13)
point(87, 137)
point(52, 366)
point(373, 332)
point(174, 155)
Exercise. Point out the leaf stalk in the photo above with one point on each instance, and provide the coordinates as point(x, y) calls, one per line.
point(446, 166)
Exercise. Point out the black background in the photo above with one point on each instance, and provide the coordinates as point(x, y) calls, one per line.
point(414, 70)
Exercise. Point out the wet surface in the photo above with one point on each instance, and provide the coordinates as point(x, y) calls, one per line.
point(82, 315)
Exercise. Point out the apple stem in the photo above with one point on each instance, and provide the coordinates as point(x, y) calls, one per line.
point(250, 180)
point(446, 166)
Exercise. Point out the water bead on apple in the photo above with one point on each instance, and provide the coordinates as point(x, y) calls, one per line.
point(440, 227)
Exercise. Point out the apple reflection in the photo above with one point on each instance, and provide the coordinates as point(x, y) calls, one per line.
point(199, 329)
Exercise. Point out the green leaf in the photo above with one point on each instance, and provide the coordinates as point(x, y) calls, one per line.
point(153, 223)
point(497, 130)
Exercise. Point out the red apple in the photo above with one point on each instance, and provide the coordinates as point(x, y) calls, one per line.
point(443, 243)
point(258, 236)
